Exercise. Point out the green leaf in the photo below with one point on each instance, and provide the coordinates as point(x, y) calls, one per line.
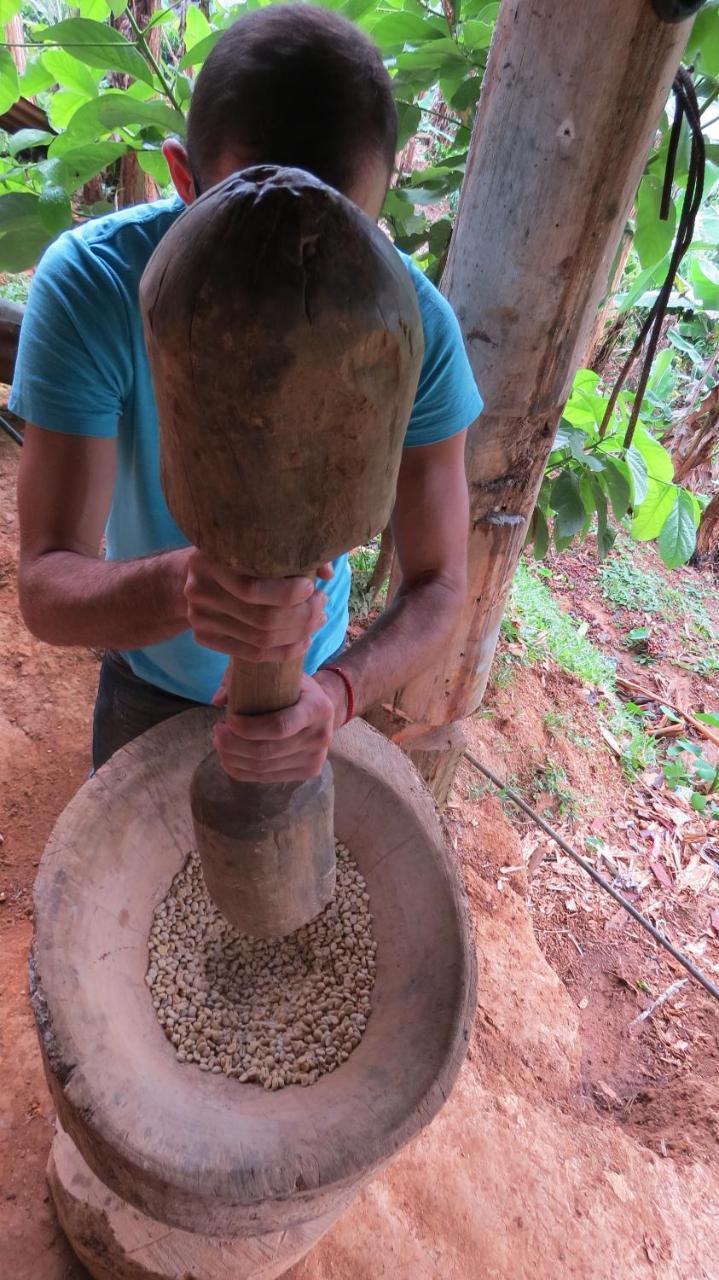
point(605, 534)
point(707, 717)
point(653, 238)
point(72, 167)
point(704, 275)
point(26, 139)
point(637, 475)
point(196, 26)
point(21, 248)
point(99, 46)
point(409, 117)
point(71, 73)
point(63, 105)
point(658, 459)
point(152, 161)
point(646, 278)
point(35, 79)
point(466, 95)
point(8, 9)
point(197, 54)
point(698, 802)
point(182, 89)
point(17, 210)
point(392, 31)
point(541, 534)
point(434, 55)
point(652, 515)
point(566, 501)
point(661, 379)
point(703, 46)
point(678, 537)
point(687, 348)
point(439, 234)
point(477, 34)
point(117, 110)
point(55, 208)
point(615, 479)
point(95, 9)
point(9, 81)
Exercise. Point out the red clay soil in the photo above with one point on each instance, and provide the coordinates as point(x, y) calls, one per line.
point(540, 1164)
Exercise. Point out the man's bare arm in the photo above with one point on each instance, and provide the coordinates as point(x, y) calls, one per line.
point(430, 524)
point(70, 596)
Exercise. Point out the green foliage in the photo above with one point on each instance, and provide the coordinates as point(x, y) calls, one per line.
point(592, 478)
point(687, 768)
point(549, 633)
point(436, 55)
point(626, 584)
point(362, 563)
point(551, 779)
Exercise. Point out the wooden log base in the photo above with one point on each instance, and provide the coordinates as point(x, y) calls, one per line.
point(267, 852)
point(202, 1152)
point(116, 1242)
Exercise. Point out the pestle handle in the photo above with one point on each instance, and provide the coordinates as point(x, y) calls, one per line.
point(257, 687)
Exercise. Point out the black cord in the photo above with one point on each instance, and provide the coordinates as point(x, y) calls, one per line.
point(598, 879)
point(686, 108)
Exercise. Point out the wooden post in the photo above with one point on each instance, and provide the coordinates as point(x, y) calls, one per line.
point(569, 106)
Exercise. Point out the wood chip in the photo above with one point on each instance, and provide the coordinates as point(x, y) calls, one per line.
point(661, 873)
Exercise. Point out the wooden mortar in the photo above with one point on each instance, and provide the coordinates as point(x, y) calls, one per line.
point(285, 343)
point(161, 1171)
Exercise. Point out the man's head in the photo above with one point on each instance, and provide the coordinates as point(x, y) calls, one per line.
point(292, 85)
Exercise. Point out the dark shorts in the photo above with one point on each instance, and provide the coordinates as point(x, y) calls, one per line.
point(127, 706)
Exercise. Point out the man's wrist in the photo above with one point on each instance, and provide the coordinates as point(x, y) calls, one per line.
point(176, 602)
point(335, 688)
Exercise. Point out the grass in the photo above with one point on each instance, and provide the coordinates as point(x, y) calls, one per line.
point(550, 779)
point(548, 632)
point(633, 586)
point(362, 563)
point(15, 288)
point(625, 584)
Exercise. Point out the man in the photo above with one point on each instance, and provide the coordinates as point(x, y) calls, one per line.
point(286, 85)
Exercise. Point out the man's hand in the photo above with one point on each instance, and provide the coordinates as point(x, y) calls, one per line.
point(259, 620)
point(284, 746)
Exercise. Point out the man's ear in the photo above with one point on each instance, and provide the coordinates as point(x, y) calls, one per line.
point(180, 171)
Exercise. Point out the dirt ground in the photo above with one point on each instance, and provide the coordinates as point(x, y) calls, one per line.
point(574, 1145)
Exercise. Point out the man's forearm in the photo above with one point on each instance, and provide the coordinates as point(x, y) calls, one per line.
point(403, 641)
point(72, 599)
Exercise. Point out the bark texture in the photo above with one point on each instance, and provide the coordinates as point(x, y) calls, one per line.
point(554, 164)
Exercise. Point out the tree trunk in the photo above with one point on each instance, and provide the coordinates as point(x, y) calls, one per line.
point(708, 531)
point(15, 36)
point(134, 186)
point(568, 111)
point(695, 441)
point(608, 326)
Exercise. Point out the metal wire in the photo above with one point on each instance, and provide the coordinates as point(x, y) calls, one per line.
point(596, 877)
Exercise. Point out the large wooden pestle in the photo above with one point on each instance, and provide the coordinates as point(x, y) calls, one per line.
point(285, 343)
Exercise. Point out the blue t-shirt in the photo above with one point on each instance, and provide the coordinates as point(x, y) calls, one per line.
point(82, 370)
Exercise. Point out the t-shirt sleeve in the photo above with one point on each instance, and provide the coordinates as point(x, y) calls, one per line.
point(73, 366)
point(447, 400)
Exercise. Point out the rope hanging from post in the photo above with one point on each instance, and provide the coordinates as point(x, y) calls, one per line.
point(686, 108)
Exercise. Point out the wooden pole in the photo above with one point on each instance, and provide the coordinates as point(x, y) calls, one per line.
point(571, 98)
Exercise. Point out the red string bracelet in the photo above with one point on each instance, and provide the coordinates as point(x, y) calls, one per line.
point(348, 689)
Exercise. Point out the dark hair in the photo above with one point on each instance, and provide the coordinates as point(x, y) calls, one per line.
point(298, 86)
